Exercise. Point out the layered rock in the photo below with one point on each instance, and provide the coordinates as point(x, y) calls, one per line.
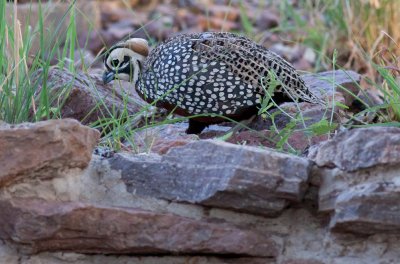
point(44, 149)
point(360, 180)
point(206, 202)
point(360, 149)
point(52, 226)
point(47, 205)
point(195, 200)
point(225, 175)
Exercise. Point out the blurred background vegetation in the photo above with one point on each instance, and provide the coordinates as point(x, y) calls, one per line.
point(363, 31)
point(314, 35)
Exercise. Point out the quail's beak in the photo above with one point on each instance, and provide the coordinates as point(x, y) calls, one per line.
point(108, 76)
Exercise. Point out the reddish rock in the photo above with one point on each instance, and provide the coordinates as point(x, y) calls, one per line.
point(253, 138)
point(218, 174)
point(300, 141)
point(44, 148)
point(40, 226)
point(161, 138)
point(87, 99)
point(297, 140)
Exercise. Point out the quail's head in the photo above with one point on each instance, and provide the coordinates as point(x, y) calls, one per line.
point(124, 60)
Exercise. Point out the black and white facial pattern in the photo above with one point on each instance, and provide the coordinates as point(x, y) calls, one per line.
point(119, 61)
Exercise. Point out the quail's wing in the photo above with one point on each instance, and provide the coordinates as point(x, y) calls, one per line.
point(253, 63)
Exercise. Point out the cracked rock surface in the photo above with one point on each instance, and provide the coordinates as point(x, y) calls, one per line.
point(204, 202)
point(228, 176)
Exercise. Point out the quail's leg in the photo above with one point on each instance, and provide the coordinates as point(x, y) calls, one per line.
point(195, 127)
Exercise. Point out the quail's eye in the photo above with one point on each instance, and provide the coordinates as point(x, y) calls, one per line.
point(126, 59)
point(115, 62)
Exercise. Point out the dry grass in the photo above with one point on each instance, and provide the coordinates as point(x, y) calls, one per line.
point(363, 31)
point(374, 28)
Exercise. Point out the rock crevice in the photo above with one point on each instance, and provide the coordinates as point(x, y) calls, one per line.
point(197, 200)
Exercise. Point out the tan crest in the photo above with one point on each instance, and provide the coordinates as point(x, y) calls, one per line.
point(138, 45)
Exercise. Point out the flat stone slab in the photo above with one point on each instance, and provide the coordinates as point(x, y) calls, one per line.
point(361, 148)
point(38, 226)
point(368, 208)
point(218, 174)
point(43, 148)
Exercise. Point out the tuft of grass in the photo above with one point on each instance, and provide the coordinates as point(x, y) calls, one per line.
point(24, 92)
point(390, 89)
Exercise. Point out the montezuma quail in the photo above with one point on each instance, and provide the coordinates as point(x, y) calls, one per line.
point(207, 73)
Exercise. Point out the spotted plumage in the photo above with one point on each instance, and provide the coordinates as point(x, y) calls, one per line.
point(214, 73)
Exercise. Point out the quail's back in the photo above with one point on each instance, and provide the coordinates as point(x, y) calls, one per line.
point(218, 73)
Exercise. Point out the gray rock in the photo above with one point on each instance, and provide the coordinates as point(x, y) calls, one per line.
point(291, 53)
point(322, 83)
point(358, 171)
point(368, 208)
point(218, 174)
point(360, 149)
point(8, 255)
